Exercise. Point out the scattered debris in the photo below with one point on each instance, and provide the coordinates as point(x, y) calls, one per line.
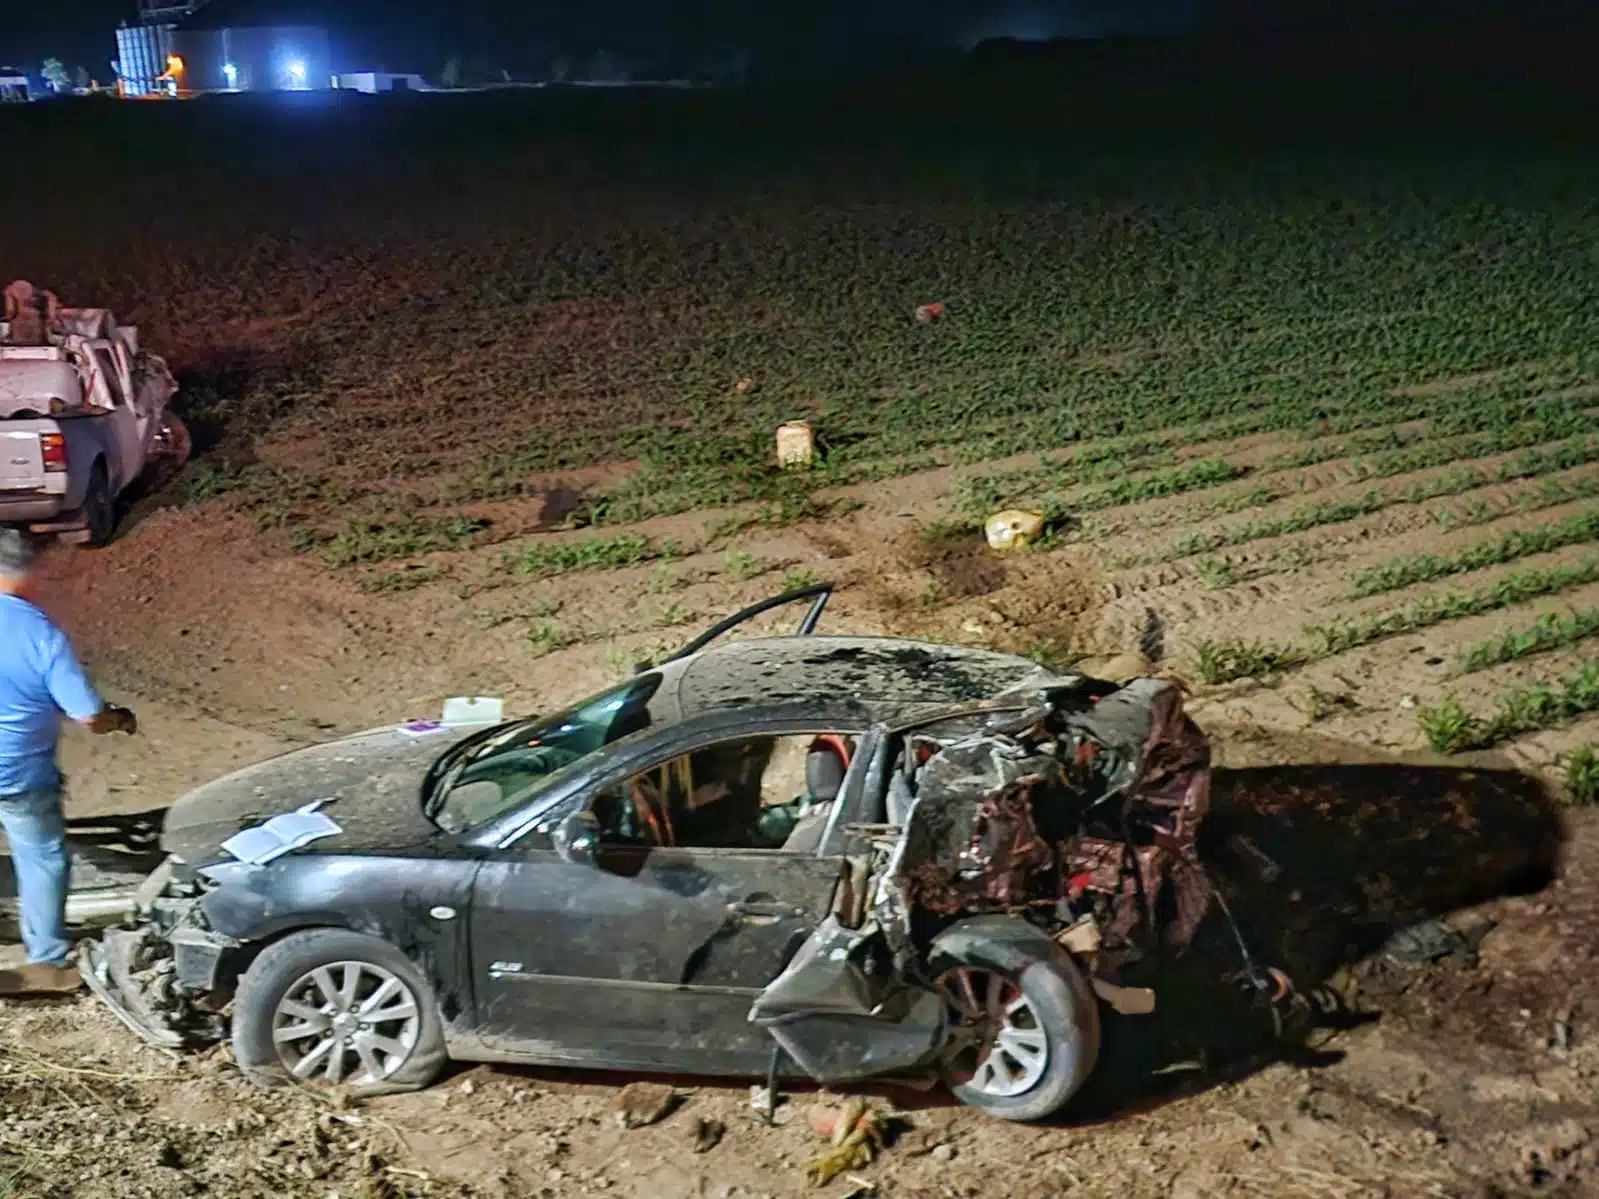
point(1434, 940)
point(773, 1108)
point(855, 1131)
point(1013, 528)
point(644, 1103)
point(746, 384)
point(926, 314)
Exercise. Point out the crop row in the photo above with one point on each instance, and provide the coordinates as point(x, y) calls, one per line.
point(1222, 661)
point(1450, 728)
point(1329, 512)
point(1422, 568)
point(1555, 630)
point(1486, 417)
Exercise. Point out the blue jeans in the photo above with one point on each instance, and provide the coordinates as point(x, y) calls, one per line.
point(36, 832)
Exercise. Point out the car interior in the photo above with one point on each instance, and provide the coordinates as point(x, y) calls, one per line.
point(765, 792)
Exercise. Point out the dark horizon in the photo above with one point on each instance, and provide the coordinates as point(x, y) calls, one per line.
point(420, 36)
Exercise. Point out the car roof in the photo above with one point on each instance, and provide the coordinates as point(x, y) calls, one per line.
point(849, 679)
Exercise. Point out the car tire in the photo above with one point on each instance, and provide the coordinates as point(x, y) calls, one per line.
point(280, 993)
point(99, 507)
point(1040, 1039)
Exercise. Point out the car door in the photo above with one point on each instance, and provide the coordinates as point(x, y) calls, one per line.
point(126, 431)
point(650, 956)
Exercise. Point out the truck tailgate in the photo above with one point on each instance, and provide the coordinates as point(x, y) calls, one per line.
point(21, 457)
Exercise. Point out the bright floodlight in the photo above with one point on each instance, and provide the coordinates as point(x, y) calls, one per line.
point(232, 72)
point(297, 72)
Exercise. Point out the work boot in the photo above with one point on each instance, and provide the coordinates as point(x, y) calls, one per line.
point(40, 978)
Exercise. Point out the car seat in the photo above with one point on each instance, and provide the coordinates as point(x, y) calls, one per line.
point(826, 765)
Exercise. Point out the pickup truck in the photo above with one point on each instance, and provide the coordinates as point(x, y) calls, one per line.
point(83, 415)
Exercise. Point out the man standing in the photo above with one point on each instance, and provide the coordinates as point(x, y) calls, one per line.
point(40, 678)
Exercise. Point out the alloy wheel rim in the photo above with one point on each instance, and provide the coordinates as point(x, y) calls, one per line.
point(346, 1022)
point(1008, 1052)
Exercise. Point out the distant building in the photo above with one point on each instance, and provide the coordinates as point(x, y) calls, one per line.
point(261, 58)
point(14, 86)
point(145, 52)
point(373, 82)
point(194, 47)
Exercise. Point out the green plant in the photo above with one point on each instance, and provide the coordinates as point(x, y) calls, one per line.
point(402, 580)
point(360, 540)
point(1582, 776)
point(674, 614)
point(207, 480)
point(547, 638)
point(1319, 705)
point(596, 553)
point(1217, 573)
point(741, 566)
point(797, 577)
point(1450, 729)
point(1053, 654)
point(662, 578)
point(1552, 631)
point(1225, 661)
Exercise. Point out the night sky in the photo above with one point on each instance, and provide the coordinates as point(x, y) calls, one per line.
point(81, 31)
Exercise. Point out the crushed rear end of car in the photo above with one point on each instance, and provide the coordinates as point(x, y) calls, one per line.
point(1063, 832)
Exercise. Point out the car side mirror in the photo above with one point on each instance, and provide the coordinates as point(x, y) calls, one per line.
point(577, 838)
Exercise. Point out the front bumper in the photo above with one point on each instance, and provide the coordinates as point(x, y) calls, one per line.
point(94, 964)
point(166, 986)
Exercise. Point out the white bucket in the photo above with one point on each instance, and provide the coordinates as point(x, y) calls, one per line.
point(796, 444)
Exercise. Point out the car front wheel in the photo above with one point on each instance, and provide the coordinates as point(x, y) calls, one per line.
point(334, 1007)
point(1026, 1021)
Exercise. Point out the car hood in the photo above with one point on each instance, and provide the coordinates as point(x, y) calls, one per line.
point(370, 785)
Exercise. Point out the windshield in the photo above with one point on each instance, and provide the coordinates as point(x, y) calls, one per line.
point(486, 776)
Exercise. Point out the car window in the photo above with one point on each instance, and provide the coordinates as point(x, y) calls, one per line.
point(519, 760)
point(113, 378)
point(763, 792)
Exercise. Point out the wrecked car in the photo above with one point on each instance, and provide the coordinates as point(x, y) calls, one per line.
point(811, 856)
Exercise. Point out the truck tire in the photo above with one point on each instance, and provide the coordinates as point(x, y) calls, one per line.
point(99, 507)
point(1035, 1018)
point(328, 991)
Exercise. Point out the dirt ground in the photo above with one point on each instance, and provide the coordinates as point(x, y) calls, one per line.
point(1474, 1076)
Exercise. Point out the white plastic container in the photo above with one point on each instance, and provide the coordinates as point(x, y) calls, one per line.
point(796, 444)
point(473, 709)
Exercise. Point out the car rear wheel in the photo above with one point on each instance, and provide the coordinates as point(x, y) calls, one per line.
point(336, 1008)
point(99, 508)
point(1026, 1023)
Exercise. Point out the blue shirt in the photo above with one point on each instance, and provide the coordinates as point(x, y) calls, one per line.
point(40, 678)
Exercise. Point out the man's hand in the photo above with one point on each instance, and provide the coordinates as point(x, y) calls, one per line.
point(112, 719)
